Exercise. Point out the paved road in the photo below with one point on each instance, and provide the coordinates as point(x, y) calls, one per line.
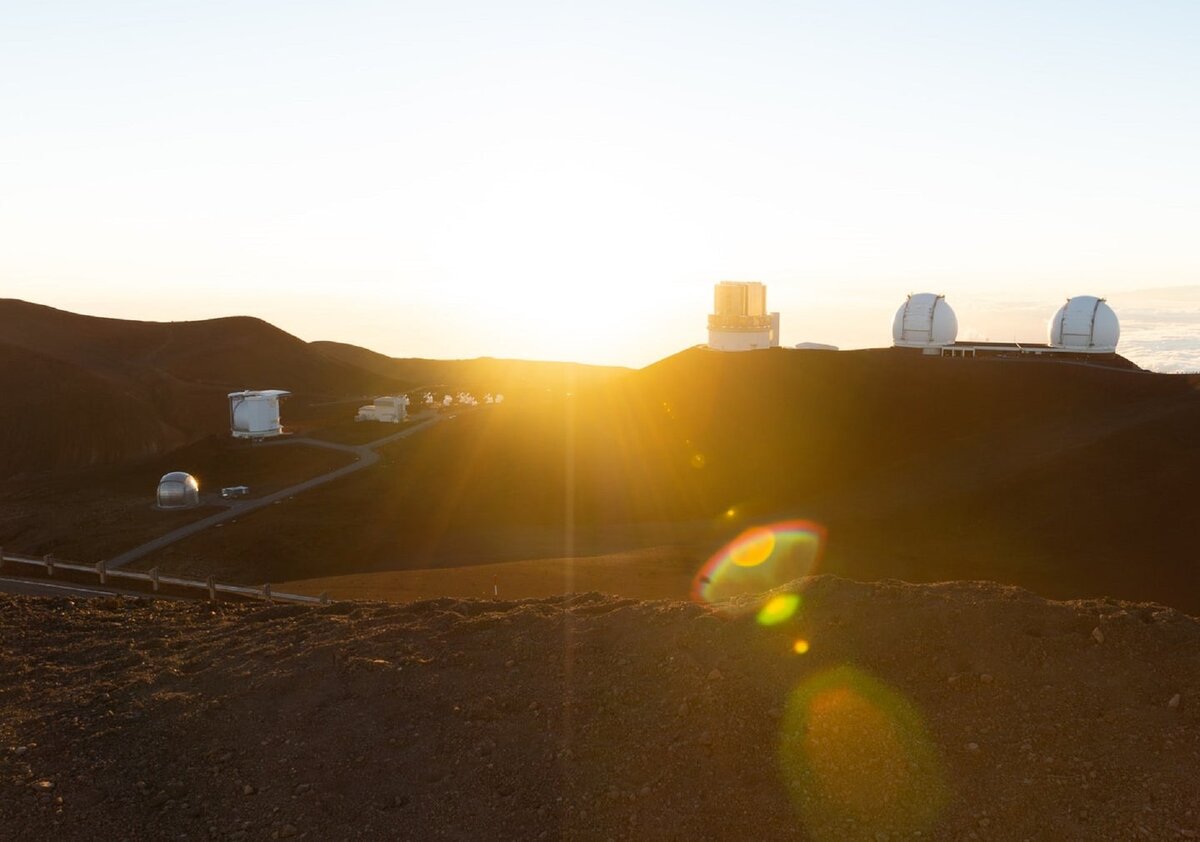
point(365, 457)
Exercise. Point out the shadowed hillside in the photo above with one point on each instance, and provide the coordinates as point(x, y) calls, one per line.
point(87, 391)
point(226, 352)
point(92, 391)
point(57, 415)
point(1068, 478)
point(513, 378)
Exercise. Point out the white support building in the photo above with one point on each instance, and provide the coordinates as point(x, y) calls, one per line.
point(740, 321)
point(391, 409)
point(255, 414)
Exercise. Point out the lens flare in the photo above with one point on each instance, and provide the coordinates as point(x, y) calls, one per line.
point(760, 559)
point(800, 647)
point(855, 753)
point(754, 548)
point(778, 609)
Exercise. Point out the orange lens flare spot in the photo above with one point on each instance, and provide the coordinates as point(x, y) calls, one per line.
point(778, 609)
point(800, 647)
point(754, 549)
point(761, 559)
point(698, 460)
point(855, 752)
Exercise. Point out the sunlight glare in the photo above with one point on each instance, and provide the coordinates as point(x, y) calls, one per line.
point(779, 609)
point(760, 559)
point(854, 752)
point(755, 548)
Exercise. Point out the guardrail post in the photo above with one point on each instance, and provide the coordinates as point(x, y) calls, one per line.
point(267, 591)
point(324, 597)
point(48, 560)
point(101, 572)
point(211, 584)
point(154, 578)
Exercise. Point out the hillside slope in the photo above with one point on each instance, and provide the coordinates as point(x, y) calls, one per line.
point(56, 415)
point(957, 711)
point(88, 391)
point(226, 352)
point(1069, 479)
point(513, 378)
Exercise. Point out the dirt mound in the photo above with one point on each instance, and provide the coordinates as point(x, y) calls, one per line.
point(957, 711)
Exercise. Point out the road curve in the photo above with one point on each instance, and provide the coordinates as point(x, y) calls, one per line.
point(366, 457)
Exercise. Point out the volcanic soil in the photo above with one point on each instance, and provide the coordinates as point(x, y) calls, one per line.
point(1070, 480)
point(85, 516)
point(949, 711)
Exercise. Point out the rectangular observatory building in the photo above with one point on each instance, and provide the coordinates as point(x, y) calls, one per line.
point(740, 321)
point(391, 409)
point(255, 414)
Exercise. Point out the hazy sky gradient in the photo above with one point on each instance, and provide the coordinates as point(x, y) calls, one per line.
point(560, 180)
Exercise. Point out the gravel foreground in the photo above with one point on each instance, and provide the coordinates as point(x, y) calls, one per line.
point(952, 711)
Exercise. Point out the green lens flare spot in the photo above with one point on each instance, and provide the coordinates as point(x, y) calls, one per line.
point(779, 609)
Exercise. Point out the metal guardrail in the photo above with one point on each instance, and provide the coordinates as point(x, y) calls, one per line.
point(48, 564)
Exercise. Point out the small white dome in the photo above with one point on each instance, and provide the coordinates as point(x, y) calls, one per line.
point(1085, 323)
point(925, 320)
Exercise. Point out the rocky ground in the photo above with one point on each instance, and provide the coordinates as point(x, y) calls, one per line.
point(85, 516)
point(877, 711)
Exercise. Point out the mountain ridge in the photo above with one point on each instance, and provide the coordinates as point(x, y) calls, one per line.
point(1032, 472)
point(152, 386)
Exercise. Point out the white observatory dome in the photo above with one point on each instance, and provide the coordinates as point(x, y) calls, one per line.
point(925, 320)
point(178, 490)
point(1085, 323)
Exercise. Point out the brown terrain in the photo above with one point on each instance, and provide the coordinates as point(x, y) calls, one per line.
point(495, 697)
point(953, 711)
point(97, 513)
point(1072, 480)
point(96, 410)
point(1067, 479)
point(83, 391)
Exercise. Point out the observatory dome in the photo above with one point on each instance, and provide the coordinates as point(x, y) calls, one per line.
point(1085, 323)
point(924, 320)
point(178, 490)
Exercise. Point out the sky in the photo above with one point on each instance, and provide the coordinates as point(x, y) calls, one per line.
point(562, 180)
